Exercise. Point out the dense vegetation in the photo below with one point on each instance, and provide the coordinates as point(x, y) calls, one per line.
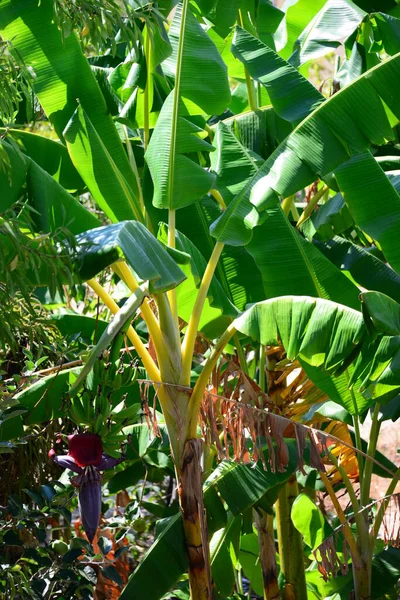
point(199, 298)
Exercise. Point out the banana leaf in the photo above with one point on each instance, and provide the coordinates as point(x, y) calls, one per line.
point(348, 122)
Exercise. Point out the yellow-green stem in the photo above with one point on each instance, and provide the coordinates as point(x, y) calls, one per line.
point(147, 50)
point(171, 243)
point(287, 203)
point(201, 383)
point(171, 365)
point(172, 151)
point(356, 425)
point(365, 480)
point(261, 381)
point(153, 326)
point(241, 354)
point(251, 93)
point(142, 351)
point(132, 162)
point(217, 196)
point(310, 206)
point(191, 333)
point(290, 544)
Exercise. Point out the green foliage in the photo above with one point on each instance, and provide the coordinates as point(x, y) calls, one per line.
point(207, 116)
point(15, 81)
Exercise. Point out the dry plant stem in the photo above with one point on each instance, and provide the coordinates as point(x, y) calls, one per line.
point(265, 530)
point(310, 206)
point(192, 329)
point(353, 498)
point(194, 521)
point(381, 511)
point(290, 544)
point(362, 569)
point(342, 517)
point(361, 552)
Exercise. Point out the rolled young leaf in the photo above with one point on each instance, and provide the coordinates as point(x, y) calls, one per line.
point(204, 78)
point(178, 180)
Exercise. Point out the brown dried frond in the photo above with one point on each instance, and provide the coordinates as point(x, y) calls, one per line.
point(390, 528)
point(329, 562)
point(241, 421)
point(151, 416)
point(237, 421)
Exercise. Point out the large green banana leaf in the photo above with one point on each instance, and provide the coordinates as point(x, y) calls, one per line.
point(373, 202)
point(204, 78)
point(366, 269)
point(383, 311)
point(54, 206)
point(260, 131)
point(298, 15)
point(292, 95)
point(349, 121)
point(321, 333)
point(102, 246)
point(328, 337)
point(233, 162)
point(49, 154)
point(290, 265)
point(97, 168)
point(287, 263)
point(63, 76)
point(178, 180)
point(335, 22)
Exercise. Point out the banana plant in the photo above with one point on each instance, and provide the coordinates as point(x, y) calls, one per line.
point(166, 135)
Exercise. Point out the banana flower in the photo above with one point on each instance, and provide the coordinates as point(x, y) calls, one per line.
point(86, 458)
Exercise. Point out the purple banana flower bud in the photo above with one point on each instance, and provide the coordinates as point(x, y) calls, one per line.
point(86, 459)
point(90, 501)
point(65, 462)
